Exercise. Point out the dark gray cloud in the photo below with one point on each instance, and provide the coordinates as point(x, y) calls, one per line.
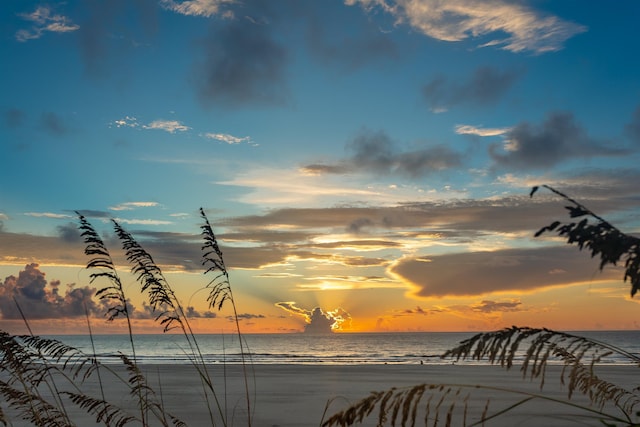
point(557, 139)
point(14, 118)
point(39, 299)
point(510, 270)
point(246, 316)
point(365, 44)
point(374, 152)
point(484, 306)
point(319, 323)
point(489, 306)
point(244, 63)
point(193, 313)
point(95, 214)
point(487, 85)
point(69, 233)
point(111, 30)
point(53, 124)
point(632, 129)
point(358, 224)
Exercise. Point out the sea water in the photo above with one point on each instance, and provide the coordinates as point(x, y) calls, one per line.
point(336, 348)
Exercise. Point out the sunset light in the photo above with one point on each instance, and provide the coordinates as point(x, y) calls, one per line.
point(368, 160)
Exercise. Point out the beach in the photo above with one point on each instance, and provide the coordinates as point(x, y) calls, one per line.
point(297, 395)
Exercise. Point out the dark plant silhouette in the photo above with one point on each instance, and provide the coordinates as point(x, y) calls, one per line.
point(600, 238)
point(533, 350)
point(39, 377)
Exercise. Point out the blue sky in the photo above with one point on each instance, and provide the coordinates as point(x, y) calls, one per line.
point(351, 155)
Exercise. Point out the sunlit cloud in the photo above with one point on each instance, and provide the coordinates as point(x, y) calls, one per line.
point(142, 221)
point(457, 20)
point(480, 131)
point(47, 215)
point(170, 126)
point(44, 20)
point(330, 283)
point(204, 8)
point(317, 320)
point(286, 187)
point(132, 205)
point(229, 139)
point(127, 121)
point(278, 275)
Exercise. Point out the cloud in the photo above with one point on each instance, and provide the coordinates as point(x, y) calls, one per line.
point(43, 20)
point(508, 270)
point(243, 64)
point(14, 118)
point(143, 221)
point(324, 236)
point(484, 307)
point(170, 126)
point(53, 124)
point(486, 86)
point(69, 233)
point(204, 8)
point(320, 169)
point(89, 213)
point(317, 320)
point(229, 139)
point(112, 30)
point(127, 206)
point(246, 316)
point(559, 138)
point(489, 306)
point(193, 313)
point(47, 215)
point(127, 121)
point(457, 20)
point(480, 131)
point(173, 126)
point(38, 299)
point(364, 44)
point(374, 152)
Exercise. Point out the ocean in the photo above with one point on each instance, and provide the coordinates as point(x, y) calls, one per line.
point(336, 349)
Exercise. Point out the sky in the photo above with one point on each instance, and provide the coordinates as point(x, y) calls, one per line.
point(365, 164)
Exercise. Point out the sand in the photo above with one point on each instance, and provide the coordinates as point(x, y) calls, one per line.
point(296, 395)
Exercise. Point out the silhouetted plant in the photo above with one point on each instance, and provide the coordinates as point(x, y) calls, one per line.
point(220, 291)
point(600, 238)
point(30, 362)
point(447, 404)
point(531, 349)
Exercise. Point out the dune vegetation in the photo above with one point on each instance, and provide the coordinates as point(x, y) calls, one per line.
point(42, 381)
point(448, 404)
point(41, 378)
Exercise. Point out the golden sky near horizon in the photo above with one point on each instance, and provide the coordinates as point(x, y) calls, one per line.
point(366, 165)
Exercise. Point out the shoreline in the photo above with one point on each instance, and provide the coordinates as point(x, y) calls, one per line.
point(296, 395)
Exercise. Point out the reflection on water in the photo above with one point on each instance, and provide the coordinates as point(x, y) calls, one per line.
point(338, 348)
